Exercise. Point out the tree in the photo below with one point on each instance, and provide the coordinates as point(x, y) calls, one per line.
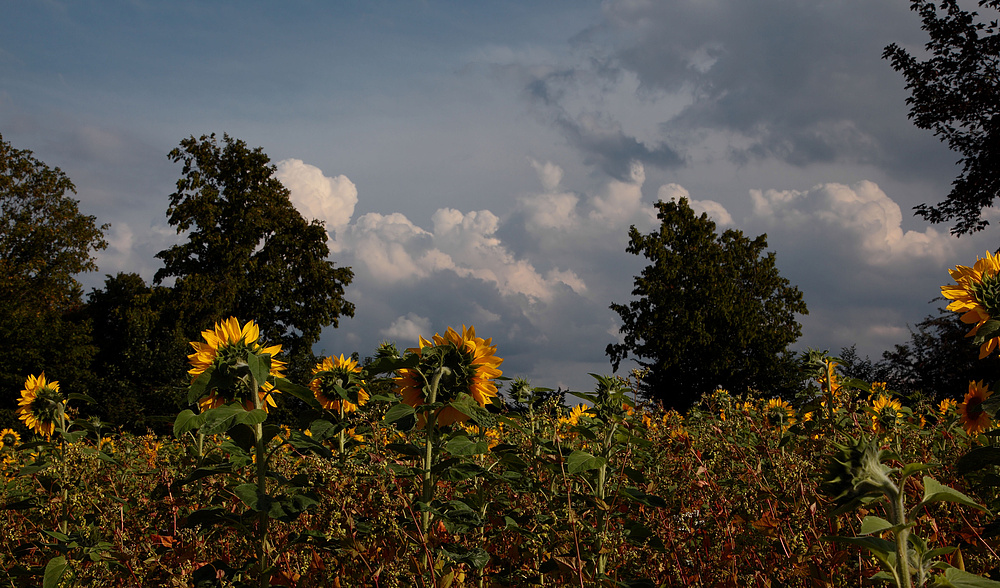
point(956, 94)
point(140, 367)
point(711, 311)
point(44, 242)
point(249, 253)
point(939, 361)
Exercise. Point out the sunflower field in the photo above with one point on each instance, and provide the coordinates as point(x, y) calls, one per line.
point(412, 469)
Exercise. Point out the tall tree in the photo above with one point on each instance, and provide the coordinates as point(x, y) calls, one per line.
point(955, 92)
point(711, 310)
point(249, 253)
point(45, 241)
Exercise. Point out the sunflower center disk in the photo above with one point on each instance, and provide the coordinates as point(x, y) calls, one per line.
point(987, 293)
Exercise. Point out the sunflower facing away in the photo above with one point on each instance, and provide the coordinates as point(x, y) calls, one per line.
point(779, 413)
point(225, 345)
point(336, 370)
point(9, 438)
point(886, 412)
point(473, 367)
point(40, 404)
point(976, 294)
point(974, 419)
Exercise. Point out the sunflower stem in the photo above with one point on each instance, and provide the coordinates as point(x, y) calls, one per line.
point(258, 430)
point(428, 489)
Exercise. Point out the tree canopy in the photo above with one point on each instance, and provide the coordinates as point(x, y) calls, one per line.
point(249, 253)
point(955, 92)
point(44, 242)
point(710, 311)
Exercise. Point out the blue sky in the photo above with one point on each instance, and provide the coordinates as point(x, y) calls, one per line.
point(481, 162)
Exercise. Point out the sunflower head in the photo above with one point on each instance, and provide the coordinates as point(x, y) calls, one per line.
point(976, 294)
point(40, 405)
point(332, 372)
point(224, 355)
point(779, 414)
point(461, 363)
point(886, 412)
point(974, 419)
point(9, 438)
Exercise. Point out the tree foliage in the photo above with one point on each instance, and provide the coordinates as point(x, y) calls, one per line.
point(711, 310)
point(140, 367)
point(955, 92)
point(44, 242)
point(249, 253)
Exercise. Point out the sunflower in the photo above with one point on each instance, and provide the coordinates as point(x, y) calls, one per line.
point(976, 294)
point(886, 413)
point(9, 438)
point(225, 346)
point(779, 413)
point(946, 406)
point(974, 418)
point(336, 371)
point(40, 405)
point(573, 417)
point(472, 366)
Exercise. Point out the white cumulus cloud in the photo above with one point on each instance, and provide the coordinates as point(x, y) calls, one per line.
point(317, 196)
point(715, 210)
point(408, 328)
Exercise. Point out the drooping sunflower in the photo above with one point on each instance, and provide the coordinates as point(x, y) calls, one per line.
point(779, 413)
point(471, 367)
point(9, 438)
point(886, 413)
point(225, 346)
point(40, 404)
point(336, 371)
point(974, 419)
point(976, 294)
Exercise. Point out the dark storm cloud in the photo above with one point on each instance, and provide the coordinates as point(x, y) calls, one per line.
point(797, 81)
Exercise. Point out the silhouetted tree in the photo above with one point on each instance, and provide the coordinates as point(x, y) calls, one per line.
point(711, 310)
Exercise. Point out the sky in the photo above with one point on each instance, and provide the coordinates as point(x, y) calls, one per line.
point(480, 163)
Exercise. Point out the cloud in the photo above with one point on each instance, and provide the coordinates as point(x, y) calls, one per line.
point(716, 211)
point(408, 328)
point(860, 217)
point(317, 196)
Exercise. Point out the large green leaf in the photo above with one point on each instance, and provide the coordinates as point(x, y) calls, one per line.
point(186, 421)
point(54, 571)
point(581, 461)
point(935, 491)
point(956, 578)
point(977, 459)
point(462, 445)
point(397, 412)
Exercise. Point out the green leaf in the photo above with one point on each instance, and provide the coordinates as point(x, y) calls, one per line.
point(405, 449)
point(54, 571)
point(956, 578)
point(643, 498)
point(978, 459)
point(248, 494)
point(934, 491)
point(286, 386)
point(873, 524)
point(397, 412)
point(880, 548)
point(260, 366)
point(186, 421)
point(581, 461)
point(462, 445)
point(197, 389)
point(912, 468)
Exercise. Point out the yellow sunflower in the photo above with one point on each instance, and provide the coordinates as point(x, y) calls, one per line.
point(336, 370)
point(225, 344)
point(40, 404)
point(9, 438)
point(976, 294)
point(886, 413)
point(472, 366)
point(779, 413)
point(573, 417)
point(974, 419)
point(946, 406)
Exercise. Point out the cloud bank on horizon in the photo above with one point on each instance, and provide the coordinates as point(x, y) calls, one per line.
point(483, 167)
